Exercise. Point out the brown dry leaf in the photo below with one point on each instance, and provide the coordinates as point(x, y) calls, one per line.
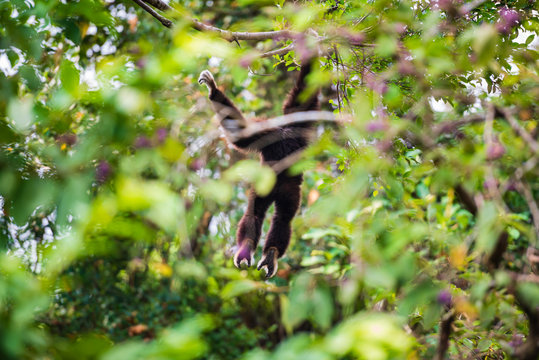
point(464, 307)
point(525, 114)
point(132, 23)
point(83, 28)
point(457, 256)
point(163, 269)
point(137, 329)
point(313, 196)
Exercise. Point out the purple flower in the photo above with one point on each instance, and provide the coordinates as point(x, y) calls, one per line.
point(161, 135)
point(246, 61)
point(512, 186)
point(508, 19)
point(405, 67)
point(377, 125)
point(375, 84)
point(381, 113)
point(445, 4)
point(355, 38)
point(510, 16)
point(102, 171)
point(400, 28)
point(444, 298)
point(67, 138)
point(495, 151)
point(142, 142)
point(516, 341)
point(490, 184)
point(141, 63)
point(196, 164)
point(383, 145)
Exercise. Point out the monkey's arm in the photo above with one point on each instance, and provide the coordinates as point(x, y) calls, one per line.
point(292, 103)
point(228, 114)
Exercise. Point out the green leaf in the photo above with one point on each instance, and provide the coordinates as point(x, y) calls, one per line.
point(262, 177)
point(217, 190)
point(239, 287)
point(70, 77)
point(29, 74)
point(484, 43)
point(309, 299)
point(488, 227)
point(20, 112)
point(30, 195)
point(530, 293)
point(386, 46)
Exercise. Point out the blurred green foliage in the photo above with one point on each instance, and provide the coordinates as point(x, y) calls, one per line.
point(120, 201)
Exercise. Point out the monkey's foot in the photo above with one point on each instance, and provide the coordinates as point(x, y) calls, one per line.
point(269, 262)
point(206, 78)
point(244, 254)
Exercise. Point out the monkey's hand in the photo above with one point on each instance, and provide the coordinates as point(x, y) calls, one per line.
point(269, 262)
point(206, 78)
point(244, 254)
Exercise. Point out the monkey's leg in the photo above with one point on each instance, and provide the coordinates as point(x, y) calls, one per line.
point(228, 114)
point(250, 227)
point(287, 200)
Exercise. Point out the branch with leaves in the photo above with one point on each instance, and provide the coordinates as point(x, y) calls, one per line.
point(198, 25)
point(235, 36)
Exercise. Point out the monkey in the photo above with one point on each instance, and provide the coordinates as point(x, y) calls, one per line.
point(272, 146)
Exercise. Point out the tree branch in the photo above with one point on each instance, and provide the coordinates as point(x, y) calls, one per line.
point(241, 35)
point(225, 34)
point(161, 5)
point(530, 348)
point(283, 120)
point(280, 51)
point(198, 25)
point(445, 333)
point(163, 20)
point(493, 259)
point(466, 198)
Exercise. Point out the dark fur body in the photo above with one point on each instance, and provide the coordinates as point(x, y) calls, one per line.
point(273, 146)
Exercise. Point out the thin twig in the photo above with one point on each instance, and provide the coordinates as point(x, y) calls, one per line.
point(492, 183)
point(450, 126)
point(280, 51)
point(338, 78)
point(532, 205)
point(534, 145)
point(466, 8)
